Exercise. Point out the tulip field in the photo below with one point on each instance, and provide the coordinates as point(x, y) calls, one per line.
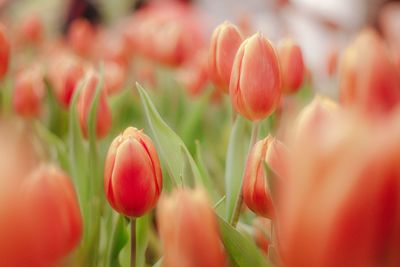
point(138, 135)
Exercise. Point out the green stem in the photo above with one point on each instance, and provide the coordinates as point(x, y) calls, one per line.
point(239, 202)
point(133, 242)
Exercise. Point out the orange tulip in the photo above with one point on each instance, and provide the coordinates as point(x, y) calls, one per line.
point(132, 177)
point(189, 231)
point(86, 97)
point(29, 92)
point(225, 42)
point(292, 66)
point(256, 82)
point(4, 52)
point(341, 207)
point(256, 193)
point(369, 80)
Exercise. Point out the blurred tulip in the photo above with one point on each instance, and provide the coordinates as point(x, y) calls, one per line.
point(31, 29)
point(225, 42)
point(132, 177)
point(262, 233)
point(292, 66)
point(52, 213)
point(81, 37)
point(85, 100)
point(341, 207)
point(114, 77)
point(368, 78)
point(189, 231)
point(194, 74)
point(332, 62)
point(256, 82)
point(4, 52)
point(256, 192)
point(29, 92)
point(65, 73)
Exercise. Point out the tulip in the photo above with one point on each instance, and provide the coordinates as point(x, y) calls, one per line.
point(341, 207)
point(29, 91)
point(256, 192)
point(369, 81)
point(262, 233)
point(292, 66)
point(189, 231)
point(86, 97)
point(225, 42)
point(4, 52)
point(114, 77)
point(255, 84)
point(81, 37)
point(31, 29)
point(52, 210)
point(194, 74)
point(132, 177)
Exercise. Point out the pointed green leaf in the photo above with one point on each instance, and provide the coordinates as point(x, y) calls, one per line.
point(118, 241)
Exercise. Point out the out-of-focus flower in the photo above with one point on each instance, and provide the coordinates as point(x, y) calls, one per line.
point(31, 30)
point(132, 177)
point(332, 62)
point(189, 231)
point(85, 100)
point(194, 74)
point(114, 77)
point(81, 37)
point(52, 210)
point(262, 233)
point(29, 91)
point(368, 78)
point(256, 192)
point(292, 66)
point(4, 52)
point(256, 82)
point(341, 207)
point(65, 72)
point(225, 42)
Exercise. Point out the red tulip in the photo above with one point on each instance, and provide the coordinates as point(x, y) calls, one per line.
point(255, 85)
point(292, 66)
point(256, 192)
point(31, 29)
point(81, 37)
point(52, 214)
point(132, 177)
point(369, 81)
point(225, 42)
point(189, 231)
point(341, 207)
point(4, 52)
point(86, 97)
point(29, 91)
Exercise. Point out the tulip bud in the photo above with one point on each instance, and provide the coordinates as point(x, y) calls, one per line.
point(52, 210)
point(114, 77)
point(86, 97)
point(225, 42)
point(255, 84)
point(189, 231)
point(132, 177)
point(292, 66)
point(368, 78)
point(4, 52)
point(29, 91)
point(31, 29)
point(256, 193)
point(81, 37)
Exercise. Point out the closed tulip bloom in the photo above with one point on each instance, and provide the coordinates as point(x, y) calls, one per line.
point(225, 42)
point(256, 192)
point(292, 66)
point(86, 97)
point(81, 37)
point(369, 81)
point(4, 52)
point(256, 82)
point(52, 210)
point(189, 231)
point(29, 92)
point(132, 177)
point(341, 207)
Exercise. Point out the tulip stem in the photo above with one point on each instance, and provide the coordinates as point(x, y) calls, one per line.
point(239, 202)
point(133, 242)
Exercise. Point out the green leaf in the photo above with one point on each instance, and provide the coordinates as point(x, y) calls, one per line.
point(235, 161)
point(171, 146)
point(142, 239)
point(241, 250)
point(119, 239)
